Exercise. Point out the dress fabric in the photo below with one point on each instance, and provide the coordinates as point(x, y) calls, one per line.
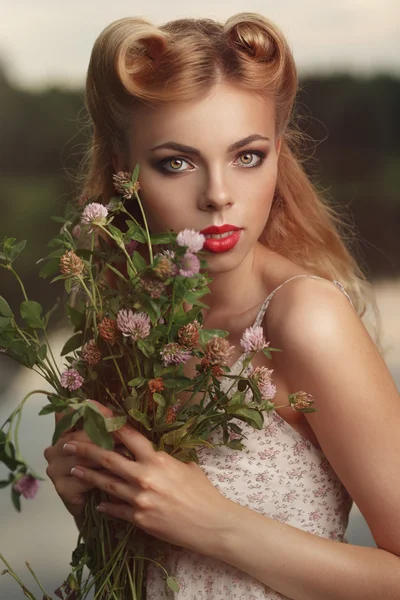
point(280, 474)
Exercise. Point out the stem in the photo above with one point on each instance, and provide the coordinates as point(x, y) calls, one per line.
point(51, 353)
point(128, 258)
point(146, 227)
point(45, 595)
point(17, 412)
point(87, 291)
point(120, 375)
point(9, 268)
point(17, 579)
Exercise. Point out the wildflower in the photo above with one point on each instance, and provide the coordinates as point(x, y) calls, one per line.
point(108, 330)
point(71, 380)
point(218, 351)
point(131, 247)
point(301, 400)
point(253, 339)
point(168, 253)
point(124, 186)
point(171, 415)
point(174, 354)
point(76, 232)
point(71, 264)
point(153, 286)
point(156, 385)
point(27, 486)
point(188, 335)
point(261, 376)
point(135, 325)
point(91, 353)
point(190, 265)
point(165, 268)
point(192, 239)
point(94, 214)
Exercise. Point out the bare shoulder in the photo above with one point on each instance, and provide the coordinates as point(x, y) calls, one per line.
point(327, 352)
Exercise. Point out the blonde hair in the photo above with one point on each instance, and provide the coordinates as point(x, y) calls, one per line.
point(134, 62)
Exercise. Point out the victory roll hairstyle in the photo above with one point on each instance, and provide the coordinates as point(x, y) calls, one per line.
point(134, 62)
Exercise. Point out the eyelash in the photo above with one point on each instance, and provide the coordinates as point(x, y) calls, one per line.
point(162, 168)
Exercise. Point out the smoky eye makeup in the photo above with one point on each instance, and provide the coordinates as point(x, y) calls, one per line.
point(162, 165)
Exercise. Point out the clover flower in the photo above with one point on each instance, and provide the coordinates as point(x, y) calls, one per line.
point(153, 286)
point(71, 380)
point(301, 400)
point(94, 214)
point(165, 268)
point(253, 339)
point(27, 486)
point(188, 335)
point(91, 353)
point(124, 186)
point(218, 351)
point(134, 325)
point(261, 376)
point(192, 239)
point(108, 331)
point(156, 385)
point(71, 264)
point(174, 354)
point(190, 265)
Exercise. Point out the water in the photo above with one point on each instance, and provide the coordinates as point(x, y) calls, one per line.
point(44, 533)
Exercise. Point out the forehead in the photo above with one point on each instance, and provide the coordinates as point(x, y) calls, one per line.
point(228, 113)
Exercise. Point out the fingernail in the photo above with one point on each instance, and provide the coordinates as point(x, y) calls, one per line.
point(101, 508)
point(77, 472)
point(69, 448)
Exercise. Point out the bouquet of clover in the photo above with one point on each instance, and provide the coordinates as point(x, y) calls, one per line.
point(133, 299)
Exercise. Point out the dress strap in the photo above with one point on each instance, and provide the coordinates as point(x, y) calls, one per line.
point(264, 306)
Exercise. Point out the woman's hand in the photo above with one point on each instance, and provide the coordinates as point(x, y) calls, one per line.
point(165, 497)
point(71, 490)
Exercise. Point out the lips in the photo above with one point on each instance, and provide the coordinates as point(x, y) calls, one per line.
point(219, 229)
point(221, 244)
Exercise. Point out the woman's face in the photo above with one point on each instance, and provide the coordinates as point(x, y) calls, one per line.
point(197, 169)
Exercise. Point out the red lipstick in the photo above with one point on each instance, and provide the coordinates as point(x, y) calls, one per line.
point(221, 244)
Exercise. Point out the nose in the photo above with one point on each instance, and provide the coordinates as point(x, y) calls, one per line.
point(216, 194)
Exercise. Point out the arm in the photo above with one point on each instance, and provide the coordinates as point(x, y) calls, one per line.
point(328, 353)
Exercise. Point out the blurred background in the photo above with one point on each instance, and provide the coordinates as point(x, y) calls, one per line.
point(347, 52)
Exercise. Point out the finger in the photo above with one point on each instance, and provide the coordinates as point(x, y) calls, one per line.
point(136, 442)
point(106, 482)
point(126, 512)
point(113, 462)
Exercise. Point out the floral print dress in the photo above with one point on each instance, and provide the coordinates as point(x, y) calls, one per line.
point(280, 474)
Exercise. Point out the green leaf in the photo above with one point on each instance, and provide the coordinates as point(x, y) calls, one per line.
point(31, 312)
point(117, 233)
point(138, 261)
point(42, 352)
point(52, 266)
point(141, 417)
point(131, 402)
point(206, 334)
point(4, 323)
point(114, 423)
point(237, 398)
point(16, 499)
point(67, 422)
point(46, 410)
point(174, 437)
point(178, 382)
point(173, 584)
point(250, 415)
point(77, 318)
point(95, 426)
point(163, 238)
point(16, 250)
point(5, 483)
point(235, 444)
point(137, 382)
point(159, 399)
point(5, 309)
point(73, 343)
point(135, 173)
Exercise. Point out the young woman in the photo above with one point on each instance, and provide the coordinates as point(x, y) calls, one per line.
point(205, 109)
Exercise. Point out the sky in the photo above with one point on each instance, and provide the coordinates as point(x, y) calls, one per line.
point(48, 42)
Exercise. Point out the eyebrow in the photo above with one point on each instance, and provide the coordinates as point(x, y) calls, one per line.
point(190, 150)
